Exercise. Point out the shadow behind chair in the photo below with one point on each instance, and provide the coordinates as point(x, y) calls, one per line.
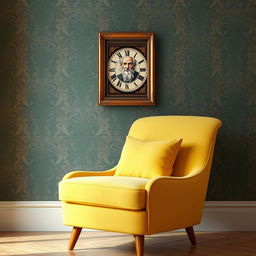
point(144, 206)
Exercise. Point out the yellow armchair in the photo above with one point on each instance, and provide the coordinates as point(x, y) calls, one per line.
point(141, 205)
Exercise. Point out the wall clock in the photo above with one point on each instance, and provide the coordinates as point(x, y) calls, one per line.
point(126, 68)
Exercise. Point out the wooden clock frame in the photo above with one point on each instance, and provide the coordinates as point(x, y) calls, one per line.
point(109, 42)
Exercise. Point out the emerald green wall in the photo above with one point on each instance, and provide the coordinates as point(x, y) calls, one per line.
point(50, 120)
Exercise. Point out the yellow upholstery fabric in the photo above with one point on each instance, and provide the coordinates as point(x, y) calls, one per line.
point(116, 192)
point(137, 205)
point(184, 197)
point(104, 218)
point(197, 132)
point(147, 159)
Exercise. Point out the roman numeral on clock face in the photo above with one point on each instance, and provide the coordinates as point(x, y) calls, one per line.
point(119, 55)
point(113, 76)
point(140, 78)
point(127, 52)
point(119, 83)
point(113, 70)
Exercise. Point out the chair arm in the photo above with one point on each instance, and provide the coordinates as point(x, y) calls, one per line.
point(175, 202)
point(75, 174)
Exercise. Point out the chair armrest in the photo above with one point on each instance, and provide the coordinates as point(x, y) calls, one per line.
point(75, 174)
point(175, 202)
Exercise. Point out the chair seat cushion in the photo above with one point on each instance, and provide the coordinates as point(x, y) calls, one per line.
point(107, 191)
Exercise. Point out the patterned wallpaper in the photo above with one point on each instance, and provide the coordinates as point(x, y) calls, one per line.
point(50, 120)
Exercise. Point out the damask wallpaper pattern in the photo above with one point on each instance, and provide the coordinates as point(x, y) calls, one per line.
point(50, 120)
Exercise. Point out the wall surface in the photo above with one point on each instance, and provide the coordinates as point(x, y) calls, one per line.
point(50, 120)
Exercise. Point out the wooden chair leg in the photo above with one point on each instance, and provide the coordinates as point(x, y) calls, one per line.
point(139, 244)
point(74, 237)
point(191, 235)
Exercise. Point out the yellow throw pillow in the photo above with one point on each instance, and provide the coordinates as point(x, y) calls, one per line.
point(147, 159)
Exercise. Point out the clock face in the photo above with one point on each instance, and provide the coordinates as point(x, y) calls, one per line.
point(127, 69)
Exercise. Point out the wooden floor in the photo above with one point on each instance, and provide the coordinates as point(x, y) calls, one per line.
point(98, 243)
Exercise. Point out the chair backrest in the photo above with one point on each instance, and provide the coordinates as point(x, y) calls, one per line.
point(198, 134)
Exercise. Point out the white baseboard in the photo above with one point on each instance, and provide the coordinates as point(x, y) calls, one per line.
point(31, 216)
point(46, 216)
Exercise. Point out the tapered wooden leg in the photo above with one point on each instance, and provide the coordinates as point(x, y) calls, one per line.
point(74, 237)
point(191, 235)
point(139, 243)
